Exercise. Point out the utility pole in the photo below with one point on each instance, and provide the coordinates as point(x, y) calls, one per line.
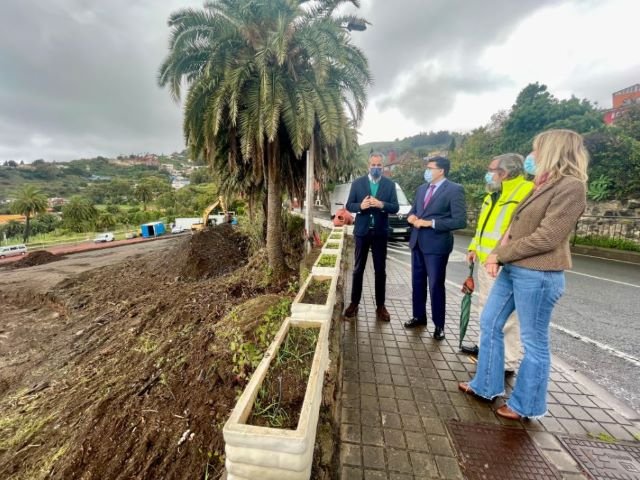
point(308, 202)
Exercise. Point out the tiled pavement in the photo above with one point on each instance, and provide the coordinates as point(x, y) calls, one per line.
point(400, 389)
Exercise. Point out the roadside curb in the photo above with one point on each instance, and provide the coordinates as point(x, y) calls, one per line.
point(608, 253)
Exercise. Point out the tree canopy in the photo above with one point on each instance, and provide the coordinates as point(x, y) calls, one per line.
point(263, 79)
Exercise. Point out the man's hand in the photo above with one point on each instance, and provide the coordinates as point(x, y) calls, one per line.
point(366, 203)
point(411, 218)
point(422, 223)
point(374, 202)
point(491, 265)
point(471, 257)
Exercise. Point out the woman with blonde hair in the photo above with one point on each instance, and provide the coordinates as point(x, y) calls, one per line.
point(533, 253)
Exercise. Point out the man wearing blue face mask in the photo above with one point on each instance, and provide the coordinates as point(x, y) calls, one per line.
point(438, 209)
point(507, 187)
point(373, 197)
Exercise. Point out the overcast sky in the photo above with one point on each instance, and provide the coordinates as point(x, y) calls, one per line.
point(78, 77)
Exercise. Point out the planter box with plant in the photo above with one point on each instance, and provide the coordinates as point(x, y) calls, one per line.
point(327, 264)
point(332, 247)
point(271, 431)
point(316, 298)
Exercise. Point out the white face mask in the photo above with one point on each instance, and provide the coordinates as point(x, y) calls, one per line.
point(428, 175)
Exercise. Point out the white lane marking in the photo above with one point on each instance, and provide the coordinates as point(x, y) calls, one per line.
point(601, 258)
point(455, 257)
point(602, 346)
point(603, 279)
point(448, 282)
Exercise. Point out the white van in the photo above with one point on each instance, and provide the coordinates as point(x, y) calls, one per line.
point(398, 226)
point(13, 250)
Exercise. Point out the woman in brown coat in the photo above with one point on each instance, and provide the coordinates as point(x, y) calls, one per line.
point(533, 254)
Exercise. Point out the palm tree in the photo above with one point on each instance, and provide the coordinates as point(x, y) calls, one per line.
point(263, 78)
point(79, 214)
point(29, 202)
point(106, 221)
point(144, 193)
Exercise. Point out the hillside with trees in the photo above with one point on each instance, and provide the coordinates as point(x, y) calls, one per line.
point(614, 170)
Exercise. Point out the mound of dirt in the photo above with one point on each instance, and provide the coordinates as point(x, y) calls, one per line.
point(37, 258)
point(125, 371)
point(212, 253)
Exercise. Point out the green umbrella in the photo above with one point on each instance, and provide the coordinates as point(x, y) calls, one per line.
point(465, 308)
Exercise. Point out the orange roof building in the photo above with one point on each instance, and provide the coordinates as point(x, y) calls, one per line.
point(7, 218)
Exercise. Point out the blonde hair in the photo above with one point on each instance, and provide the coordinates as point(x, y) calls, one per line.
point(561, 153)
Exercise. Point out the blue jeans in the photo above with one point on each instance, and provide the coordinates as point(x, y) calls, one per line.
point(532, 294)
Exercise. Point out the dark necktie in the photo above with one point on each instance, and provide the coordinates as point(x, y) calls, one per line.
point(427, 197)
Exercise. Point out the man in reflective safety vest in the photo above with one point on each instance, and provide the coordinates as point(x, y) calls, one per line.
point(507, 188)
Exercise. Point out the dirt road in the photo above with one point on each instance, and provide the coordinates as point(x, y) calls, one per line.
point(43, 277)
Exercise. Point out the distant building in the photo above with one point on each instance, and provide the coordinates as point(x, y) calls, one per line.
point(8, 218)
point(179, 182)
point(621, 101)
point(56, 201)
point(149, 160)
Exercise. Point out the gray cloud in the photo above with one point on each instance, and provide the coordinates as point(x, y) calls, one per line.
point(407, 38)
point(78, 77)
point(428, 93)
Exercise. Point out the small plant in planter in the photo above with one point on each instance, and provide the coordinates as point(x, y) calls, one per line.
point(327, 261)
point(332, 246)
point(282, 392)
point(335, 236)
point(317, 291)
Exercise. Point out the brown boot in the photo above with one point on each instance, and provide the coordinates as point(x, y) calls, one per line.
point(382, 315)
point(351, 311)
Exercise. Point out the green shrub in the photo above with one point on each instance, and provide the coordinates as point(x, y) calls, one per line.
point(327, 260)
point(608, 242)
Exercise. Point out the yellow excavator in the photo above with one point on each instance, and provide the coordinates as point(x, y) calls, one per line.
point(207, 211)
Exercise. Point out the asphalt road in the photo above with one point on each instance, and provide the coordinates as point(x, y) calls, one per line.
point(596, 324)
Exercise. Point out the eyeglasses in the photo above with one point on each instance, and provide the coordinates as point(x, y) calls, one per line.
point(434, 168)
point(494, 170)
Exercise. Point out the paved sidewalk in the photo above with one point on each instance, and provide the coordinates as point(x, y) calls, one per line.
point(400, 393)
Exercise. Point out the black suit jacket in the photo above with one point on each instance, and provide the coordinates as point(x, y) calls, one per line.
point(360, 189)
point(447, 207)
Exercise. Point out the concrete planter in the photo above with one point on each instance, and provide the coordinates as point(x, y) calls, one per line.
point(339, 242)
point(254, 452)
point(332, 251)
point(320, 270)
point(311, 311)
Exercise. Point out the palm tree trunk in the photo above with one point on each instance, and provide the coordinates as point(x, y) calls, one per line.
point(275, 252)
point(26, 228)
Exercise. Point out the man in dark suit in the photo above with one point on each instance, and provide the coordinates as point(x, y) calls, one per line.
point(438, 209)
point(373, 197)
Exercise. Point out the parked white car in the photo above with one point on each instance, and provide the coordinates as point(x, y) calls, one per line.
point(179, 229)
point(104, 237)
point(13, 250)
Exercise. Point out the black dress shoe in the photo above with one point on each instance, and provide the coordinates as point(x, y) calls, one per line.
point(473, 351)
point(438, 334)
point(415, 322)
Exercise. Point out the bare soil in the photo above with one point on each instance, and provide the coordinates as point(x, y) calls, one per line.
point(40, 257)
point(317, 292)
point(121, 369)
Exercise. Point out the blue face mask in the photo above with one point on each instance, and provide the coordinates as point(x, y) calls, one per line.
point(530, 164)
point(428, 175)
point(488, 178)
point(375, 172)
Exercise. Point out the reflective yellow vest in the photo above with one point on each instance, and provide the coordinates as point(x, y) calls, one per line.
point(495, 215)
